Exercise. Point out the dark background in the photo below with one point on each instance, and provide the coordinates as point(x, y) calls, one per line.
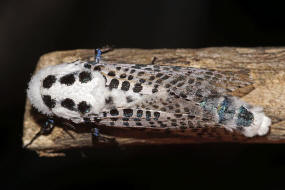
point(29, 29)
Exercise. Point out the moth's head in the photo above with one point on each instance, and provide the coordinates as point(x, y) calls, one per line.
point(34, 91)
point(67, 90)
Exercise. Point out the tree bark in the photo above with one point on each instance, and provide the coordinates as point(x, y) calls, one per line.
point(266, 66)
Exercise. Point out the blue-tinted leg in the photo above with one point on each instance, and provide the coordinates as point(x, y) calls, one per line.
point(98, 54)
point(47, 127)
point(97, 137)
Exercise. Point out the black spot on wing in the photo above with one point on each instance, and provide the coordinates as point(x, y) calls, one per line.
point(199, 93)
point(123, 75)
point(140, 73)
point(87, 66)
point(165, 77)
point(109, 100)
point(128, 112)
point(183, 95)
point(68, 79)
point(125, 86)
point(85, 76)
point(48, 81)
point(112, 73)
point(156, 115)
point(105, 78)
point(129, 99)
point(181, 84)
point(148, 115)
point(139, 113)
point(167, 85)
point(187, 110)
point(97, 68)
point(130, 77)
point(83, 107)
point(68, 104)
point(209, 73)
point(126, 124)
point(138, 87)
point(159, 75)
point(154, 90)
point(191, 81)
point(178, 115)
point(114, 83)
point(138, 124)
point(48, 101)
point(114, 112)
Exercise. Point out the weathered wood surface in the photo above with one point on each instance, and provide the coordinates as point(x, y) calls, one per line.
point(265, 65)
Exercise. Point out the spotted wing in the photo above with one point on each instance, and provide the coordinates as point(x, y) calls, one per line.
point(185, 82)
point(171, 113)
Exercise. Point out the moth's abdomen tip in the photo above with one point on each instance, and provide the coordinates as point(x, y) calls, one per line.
point(265, 125)
point(260, 126)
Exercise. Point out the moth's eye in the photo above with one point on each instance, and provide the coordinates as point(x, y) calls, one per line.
point(245, 117)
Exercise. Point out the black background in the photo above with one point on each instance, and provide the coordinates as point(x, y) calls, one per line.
point(29, 29)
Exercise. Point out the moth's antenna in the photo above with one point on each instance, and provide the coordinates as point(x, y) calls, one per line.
point(45, 129)
point(71, 126)
point(34, 138)
point(98, 53)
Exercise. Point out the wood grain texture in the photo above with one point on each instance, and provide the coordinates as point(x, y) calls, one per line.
point(266, 66)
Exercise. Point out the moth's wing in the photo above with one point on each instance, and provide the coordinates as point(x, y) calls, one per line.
point(229, 80)
point(181, 81)
point(196, 84)
point(171, 113)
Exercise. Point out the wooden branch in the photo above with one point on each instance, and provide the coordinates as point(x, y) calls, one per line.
point(265, 65)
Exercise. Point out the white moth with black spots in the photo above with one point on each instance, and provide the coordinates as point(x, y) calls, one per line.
point(146, 96)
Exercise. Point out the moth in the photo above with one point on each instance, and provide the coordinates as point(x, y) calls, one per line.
point(144, 96)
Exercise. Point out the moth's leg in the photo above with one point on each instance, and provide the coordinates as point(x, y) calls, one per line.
point(98, 52)
point(97, 137)
point(70, 126)
point(97, 56)
point(153, 60)
point(46, 129)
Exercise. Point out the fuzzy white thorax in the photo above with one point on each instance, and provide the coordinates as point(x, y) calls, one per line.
point(93, 92)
